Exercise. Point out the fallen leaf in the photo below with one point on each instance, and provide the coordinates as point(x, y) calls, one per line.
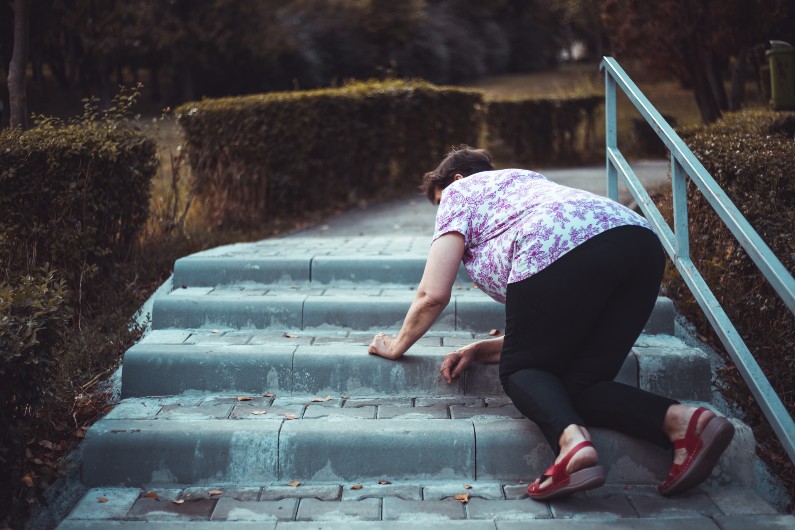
point(268, 394)
point(216, 331)
point(521, 482)
point(291, 335)
point(463, 498)
point(150, 495)
point(244, 398)
point(27, 481)
point(178, 501)
point(384, 482)
point(344, 397)
point(467, 486)
point(80, 433)
point(356, 487)
point(60, 426)
point(290, 416)
point(102, 499)
point(258, 412)
point(294, 484)
point(215, 492)
point(494, 332)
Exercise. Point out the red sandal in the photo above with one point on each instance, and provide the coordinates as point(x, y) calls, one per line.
point(703, 452)
point(564, 483)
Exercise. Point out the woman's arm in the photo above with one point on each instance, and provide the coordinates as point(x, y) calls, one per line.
point(433, 295)
point(484, 351)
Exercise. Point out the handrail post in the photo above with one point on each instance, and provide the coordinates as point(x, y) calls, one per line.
point(610, 133)
point(679, 196)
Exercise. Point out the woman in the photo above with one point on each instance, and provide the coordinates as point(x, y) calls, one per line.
point(579, 275)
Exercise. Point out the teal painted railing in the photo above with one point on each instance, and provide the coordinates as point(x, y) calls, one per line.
point(676, 242)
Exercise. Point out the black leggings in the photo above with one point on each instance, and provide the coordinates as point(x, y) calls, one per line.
point(569, 329)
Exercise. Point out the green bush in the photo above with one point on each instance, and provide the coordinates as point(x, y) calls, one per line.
point(262, 157)
point(34, 322)
point(542, 130)
point(750, 155)
point(72, 195)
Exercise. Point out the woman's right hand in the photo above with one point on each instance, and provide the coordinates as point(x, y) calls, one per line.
point(456, 362)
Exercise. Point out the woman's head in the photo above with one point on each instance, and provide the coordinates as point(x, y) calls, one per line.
point(462, 160)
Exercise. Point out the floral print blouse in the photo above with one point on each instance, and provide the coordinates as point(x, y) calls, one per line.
point(517, 222)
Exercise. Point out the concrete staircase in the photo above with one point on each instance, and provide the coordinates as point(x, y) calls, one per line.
point(253, 403)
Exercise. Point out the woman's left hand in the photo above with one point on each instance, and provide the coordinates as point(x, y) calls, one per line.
point(382, 346)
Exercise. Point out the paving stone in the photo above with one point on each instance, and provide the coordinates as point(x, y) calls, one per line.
point(505, 411)
point(691, 503)
point(391, 401)
point(248, 411)
point(235, 510)
point(117, 502)
point(511, 450)
point(426, 401)
point(283, 311)
point(135, 409)
point(515, 491)
point(684, 523)
point(421, 511)
point(437, 492)
point(477, 312)
point(237, 493)
point(205, 270)
point(321, 492)
point(483, 379)
point(371, 313)
point(190, 291)
point(315, 510)
point(219, 338)
point(738, 501)
point(362, 413)
point(242, 398)
point(679, 373)
point(163, 509)
point(605, 506)
point(434, 412)
point(406, 492)
point(507, 510)
point(165, 336)
point(165, 525)
point(389, 525)
point(291, 338)
point(307, 401)
point(178, 412)
point(755, 522)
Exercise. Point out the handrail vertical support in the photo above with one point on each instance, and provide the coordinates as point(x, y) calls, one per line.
point(679, 196)
point(610, 134)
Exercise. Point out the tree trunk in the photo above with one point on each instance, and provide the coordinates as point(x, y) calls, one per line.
point(715, 77)
point(17, 70)
point(739, 74)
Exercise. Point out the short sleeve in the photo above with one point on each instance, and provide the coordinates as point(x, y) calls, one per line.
point(453, 215)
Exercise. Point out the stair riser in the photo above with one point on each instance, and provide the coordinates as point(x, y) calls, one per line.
point(200, 271)
point(465, 313)
point(135, 453)
point(153, 369)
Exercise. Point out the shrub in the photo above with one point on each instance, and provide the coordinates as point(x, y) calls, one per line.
point(261, 157)
point(750, 156)
point(542, 130)
point(34, 321)
point(73, 194)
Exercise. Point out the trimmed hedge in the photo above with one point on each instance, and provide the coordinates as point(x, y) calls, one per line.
point(266, 156)
point(72, 195)
point(750, 155)
point(543, 130)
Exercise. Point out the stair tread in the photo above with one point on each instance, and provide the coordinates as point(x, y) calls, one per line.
point(402, 505)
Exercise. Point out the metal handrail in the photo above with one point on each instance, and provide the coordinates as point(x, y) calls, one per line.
point(676, 242)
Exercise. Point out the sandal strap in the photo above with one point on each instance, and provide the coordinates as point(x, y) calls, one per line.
point(689, 441)
point(558, 471)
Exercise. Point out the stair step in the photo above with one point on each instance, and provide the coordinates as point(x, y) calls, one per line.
point(258, 307)
point(427, 505)
point(168, 362)
point(205, 438)
point(392, 260)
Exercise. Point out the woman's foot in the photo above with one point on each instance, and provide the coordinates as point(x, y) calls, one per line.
point(585, 457)
point(699, 438)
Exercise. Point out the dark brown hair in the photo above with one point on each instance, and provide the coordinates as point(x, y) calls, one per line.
point(463, 160)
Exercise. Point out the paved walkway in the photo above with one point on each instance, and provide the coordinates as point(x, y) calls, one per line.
point(252, 403)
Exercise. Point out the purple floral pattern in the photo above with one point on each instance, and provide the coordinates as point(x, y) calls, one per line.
point(516, 222)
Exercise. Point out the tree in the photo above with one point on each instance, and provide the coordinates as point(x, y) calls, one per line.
point(695, 40)
point(18, 67)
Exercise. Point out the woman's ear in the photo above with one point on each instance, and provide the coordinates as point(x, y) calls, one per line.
point(458, 176)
